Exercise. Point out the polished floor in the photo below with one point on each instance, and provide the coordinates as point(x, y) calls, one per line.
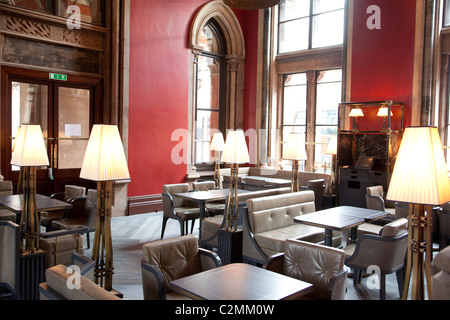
point(131, 232)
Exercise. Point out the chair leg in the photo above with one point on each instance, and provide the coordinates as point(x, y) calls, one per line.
point(400, 280)
point(88, 240)
point(164, 222)
point(192, 225)
point(182, 224)
point(382, 286)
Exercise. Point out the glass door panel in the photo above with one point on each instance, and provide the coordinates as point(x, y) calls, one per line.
point(29, 105)
point(73, 127)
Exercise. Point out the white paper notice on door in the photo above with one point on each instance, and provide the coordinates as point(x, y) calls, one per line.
point(73, 130)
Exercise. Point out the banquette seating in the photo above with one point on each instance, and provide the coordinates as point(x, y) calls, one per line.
point(269, 221)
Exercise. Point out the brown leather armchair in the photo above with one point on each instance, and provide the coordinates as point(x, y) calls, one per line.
point(317, 264)
point(171, 259)
point(70, 192)
point(83, 213)
point(179, 209)
point(9, 260)
point(386, 251)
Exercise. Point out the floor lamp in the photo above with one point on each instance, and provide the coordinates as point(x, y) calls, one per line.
point(235, 152)
point(420, 178)
point(29, 153)
point(295, 150)
point(104, 162)
point(217, 145)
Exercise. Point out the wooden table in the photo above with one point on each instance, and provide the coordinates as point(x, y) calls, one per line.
point(14, 203)
point(340, 219)
point(240, 281)
point(202, 197)
point(276, 182)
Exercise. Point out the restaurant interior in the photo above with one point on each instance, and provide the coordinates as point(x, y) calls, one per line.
point(224, 150)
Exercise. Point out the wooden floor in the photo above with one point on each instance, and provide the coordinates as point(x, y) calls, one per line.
point(131, 232)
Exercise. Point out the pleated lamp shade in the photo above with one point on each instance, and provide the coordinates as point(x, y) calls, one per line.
point(420, 175)
point(105, 158)
point(217, 142)
point(356, 112)
point(29, 147)
point(383, 112)
point(235, 149)
point(295, 148)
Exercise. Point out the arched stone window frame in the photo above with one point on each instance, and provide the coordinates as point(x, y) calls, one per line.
point(235, 57)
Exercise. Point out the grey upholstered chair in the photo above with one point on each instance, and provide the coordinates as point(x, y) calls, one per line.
point(317, 264)
point(6, 187)
point(441, 277)
point(212, 208)
point(9, 260)
point(387, 251)
point(83, 213)
point(70, 192)
point(179, 209)
point(170, 259)
point(318, 186)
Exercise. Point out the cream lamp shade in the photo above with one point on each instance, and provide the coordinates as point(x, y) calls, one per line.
point(295, 148)
point(420, 175)
point(235, 149)
point(105, 158)
point(217, 142)
point(332, 145)
point(29, 147)
point(356, 112)
point(383, 112)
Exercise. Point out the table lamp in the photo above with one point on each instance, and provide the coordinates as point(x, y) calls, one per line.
point(104, 162)
point(383, 112)
point(420, 178)
point(217, 145)
point(356, 113)
point(295, 151)
point(235, 152)
point(29, 153)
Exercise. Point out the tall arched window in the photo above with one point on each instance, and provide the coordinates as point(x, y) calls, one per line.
point(217, 54)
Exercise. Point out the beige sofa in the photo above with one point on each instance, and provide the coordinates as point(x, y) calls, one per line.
point(56, 287)
point(211, 225)
point(269, 221)
point(303, 178)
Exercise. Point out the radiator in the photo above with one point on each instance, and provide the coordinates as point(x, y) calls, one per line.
point(32, 273)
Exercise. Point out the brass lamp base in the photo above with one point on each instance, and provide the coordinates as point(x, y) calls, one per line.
point(29, 221)
point(231, 214)
point(295, 168)
point(102, 252)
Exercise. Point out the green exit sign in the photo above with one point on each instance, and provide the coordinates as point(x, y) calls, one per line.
point(57, 76)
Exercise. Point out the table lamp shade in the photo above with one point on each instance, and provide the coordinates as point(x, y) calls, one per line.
point(332, 145)
point(383, 112)
point(295, 148)
point(105, 158)
point(235, 149)
point(420, 175)
point(217, 142)
point(29, 147)
point(356, 112)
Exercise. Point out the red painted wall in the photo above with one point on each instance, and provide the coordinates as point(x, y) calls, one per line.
point(159, 88)
point(383, 60)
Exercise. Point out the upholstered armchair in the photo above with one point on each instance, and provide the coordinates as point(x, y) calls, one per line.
point(443, 215)
point(9, 260)
point(318, 186)
point(441, 275)
point(82, 214)
point(70, 192)
point(387, 251)
point(6, 187)
point(375, 200)
point(179, 209)
point(317, 264)
point(171, 259)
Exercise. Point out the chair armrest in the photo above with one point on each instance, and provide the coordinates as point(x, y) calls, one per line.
point(78, 205)
point(86, 265)
point(63, 232)
point(375, 202)
point(58, 196)
point(209, 259)
point(168, 207)
point(275, 263)
point(152, 278)
point(337, 285)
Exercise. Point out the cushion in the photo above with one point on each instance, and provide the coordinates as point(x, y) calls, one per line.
point(176, 258)
point(57, 278)
point(187, 213)
point(395, 228)
point(177, 188)
point(442, 260)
